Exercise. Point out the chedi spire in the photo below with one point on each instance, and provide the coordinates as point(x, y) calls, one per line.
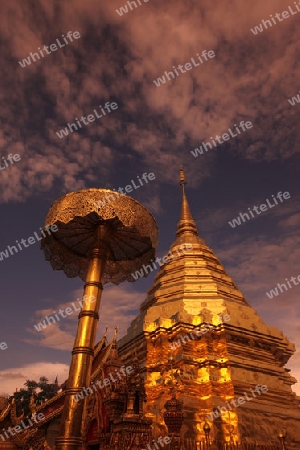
point(186, 223)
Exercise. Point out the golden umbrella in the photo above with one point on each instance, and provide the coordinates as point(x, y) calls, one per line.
point(100, 244)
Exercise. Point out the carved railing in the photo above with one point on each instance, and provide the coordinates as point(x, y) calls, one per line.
point(190, 444)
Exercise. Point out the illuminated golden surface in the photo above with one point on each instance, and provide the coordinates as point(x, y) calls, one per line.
point(219, 366)
point(131, 242)
point(99, 244)
point(223, 363)
point(83, 351)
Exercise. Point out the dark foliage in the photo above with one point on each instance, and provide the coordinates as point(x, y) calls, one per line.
point(41, 391)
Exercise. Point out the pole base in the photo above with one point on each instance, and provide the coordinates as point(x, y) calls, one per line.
point(68, 443)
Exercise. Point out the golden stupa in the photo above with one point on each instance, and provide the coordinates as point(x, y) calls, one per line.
point(233, 359)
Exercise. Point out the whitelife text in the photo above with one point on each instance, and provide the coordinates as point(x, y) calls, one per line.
point(225, 136)
point(238, 402)
point(128, 188)
point(20, 428)
point(188, 66)
point(198, 331)
point(259, 209)
point(105, 382)
point(31, 240)
point(53, 48)
point(284, 15)
point(68, 311)
point(108, 106)
point(16, 157)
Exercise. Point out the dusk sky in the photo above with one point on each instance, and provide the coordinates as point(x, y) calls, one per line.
point(115, 57)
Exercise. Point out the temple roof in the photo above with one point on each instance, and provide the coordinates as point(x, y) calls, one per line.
point(104, 354)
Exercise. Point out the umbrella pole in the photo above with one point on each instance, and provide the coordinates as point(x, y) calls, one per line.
point(83, 350)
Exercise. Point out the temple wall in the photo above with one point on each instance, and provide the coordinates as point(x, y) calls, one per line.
point(215, 370)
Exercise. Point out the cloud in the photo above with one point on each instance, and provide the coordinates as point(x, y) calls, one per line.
point(52, 337)
point(257, 264)
point(257, 259)
point(13, 378)
point(119, 306)
point(117, 59)
point(291, 222)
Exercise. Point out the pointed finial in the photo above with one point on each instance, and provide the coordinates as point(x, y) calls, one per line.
point(114, 348)
point(182, 181)
point(186, 223)
point(105, 333)
point(115, 333)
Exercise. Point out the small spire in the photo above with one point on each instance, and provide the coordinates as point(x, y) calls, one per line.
point(186, 223)
point(114, 355)
point(114, 341)
point(182, 181)
point(115, 333)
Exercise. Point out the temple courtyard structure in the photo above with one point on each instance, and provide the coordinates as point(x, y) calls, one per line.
point(198, 369)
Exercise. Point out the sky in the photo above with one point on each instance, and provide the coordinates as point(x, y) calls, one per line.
point(116, 59)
